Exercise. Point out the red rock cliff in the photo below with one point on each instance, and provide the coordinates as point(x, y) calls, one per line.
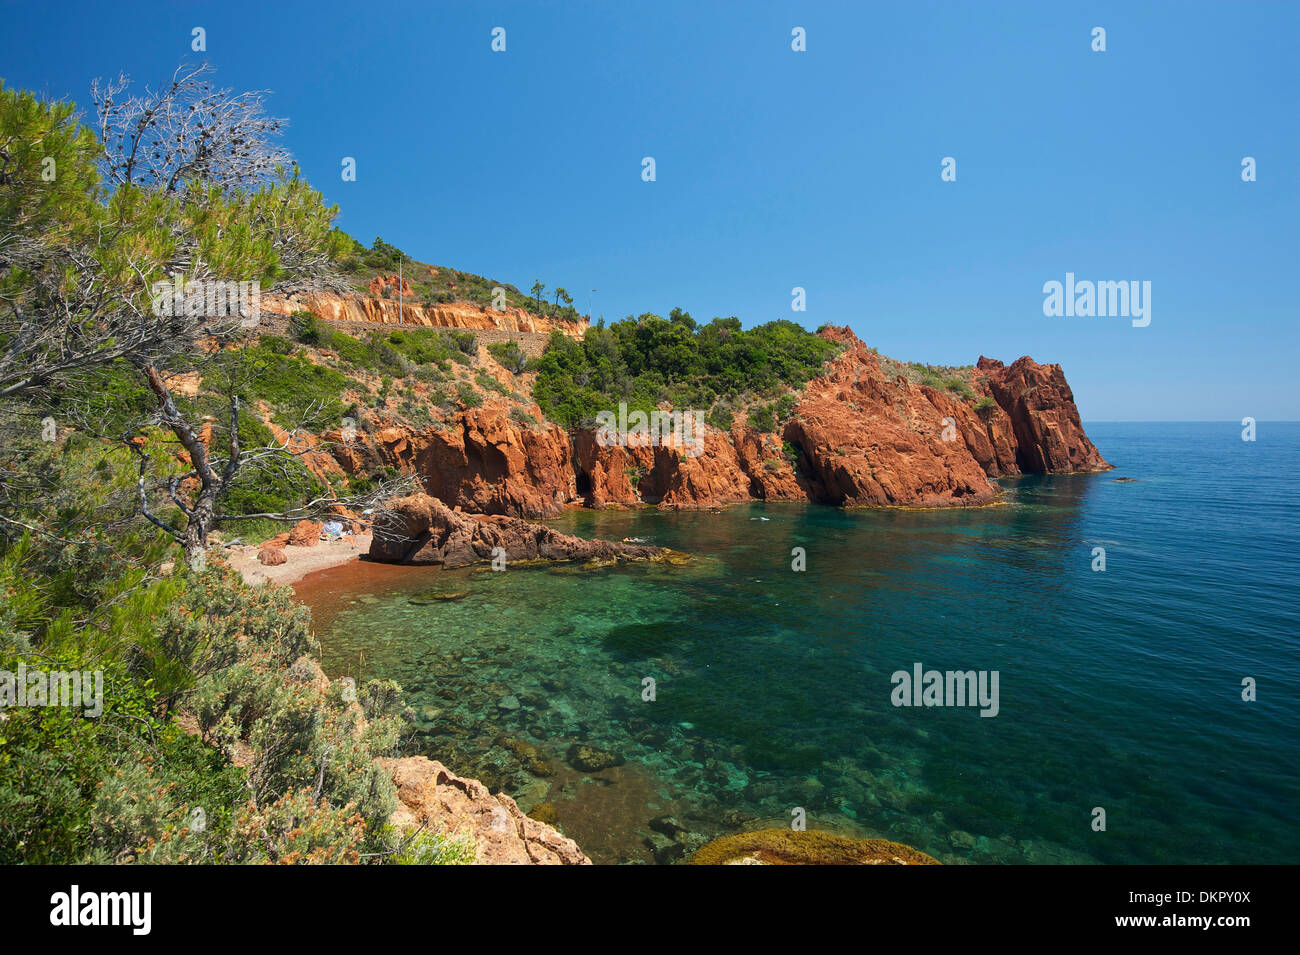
point(389, 311)
point(860, 437)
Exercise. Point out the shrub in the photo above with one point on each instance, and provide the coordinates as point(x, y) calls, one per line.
point(431, 848)
point(488, 383)
point(131, 785)
point(524, 418)
point(647, 360)
point(468, 396)
point(762, 418)
point(509, 355)
point(721, 416)
point(959, 387)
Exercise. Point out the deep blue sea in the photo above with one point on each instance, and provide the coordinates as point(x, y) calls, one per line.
point(1118, 689)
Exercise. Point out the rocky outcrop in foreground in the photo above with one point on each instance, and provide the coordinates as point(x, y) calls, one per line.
point(420, 529)
point(432, 795)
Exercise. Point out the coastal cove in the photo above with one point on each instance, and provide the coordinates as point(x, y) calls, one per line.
point(1118, 689)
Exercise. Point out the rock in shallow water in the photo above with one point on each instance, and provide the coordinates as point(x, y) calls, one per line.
point(419, 529)
point(787, 847)
point(589, 759)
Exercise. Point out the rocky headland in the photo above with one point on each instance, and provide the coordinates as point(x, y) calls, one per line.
point(860, 435)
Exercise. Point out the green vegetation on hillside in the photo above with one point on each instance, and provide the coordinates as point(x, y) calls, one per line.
point(214, 738)
point(132, 783)
point(953, 379)
point(398, 352)
point(438, 285)
point(649, 360)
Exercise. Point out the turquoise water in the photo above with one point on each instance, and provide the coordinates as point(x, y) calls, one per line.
point(1118, 689)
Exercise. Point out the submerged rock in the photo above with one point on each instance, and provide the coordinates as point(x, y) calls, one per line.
point(544, 812)
point(668, 826)
point(961, 839)
point(589, 759)
point(434, 596)
point(665, 850)
point(787, 847)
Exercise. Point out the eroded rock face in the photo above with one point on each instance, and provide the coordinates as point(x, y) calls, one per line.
point(1045, 433)
point(420, 529)
point(394, 311)
point(866, 439)
point(859, 436)
point(484, 462)
point(430, 794)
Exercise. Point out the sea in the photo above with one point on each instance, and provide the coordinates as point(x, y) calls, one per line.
point(1135, 634)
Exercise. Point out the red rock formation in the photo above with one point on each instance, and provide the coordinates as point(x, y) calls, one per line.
point(381, 284)
point(860, 436)
point(1045, 433)
point(271, 556)
point(870, 440)
point(420, 529)
point(484, 462)
point(305, 534)
point(334, 307)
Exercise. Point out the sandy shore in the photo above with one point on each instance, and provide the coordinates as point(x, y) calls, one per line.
point(301, 560)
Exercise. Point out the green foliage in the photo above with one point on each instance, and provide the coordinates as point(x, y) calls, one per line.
point(509, 355)
point(300, 392)
point(762, 418)
point(524, 418)
point(721, 415)
point(432, 848)
point(468, 396)
point(38, 137)
point(488, 383)
point(959, 387)
point(402, 352)
point(130, 784)
point(185, 650)
point(648, 360)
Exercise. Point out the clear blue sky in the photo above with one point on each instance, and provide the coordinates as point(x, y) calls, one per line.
point(818, 169)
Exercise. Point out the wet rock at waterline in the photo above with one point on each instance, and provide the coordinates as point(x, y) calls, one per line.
point(788, 847)
point(419, 529)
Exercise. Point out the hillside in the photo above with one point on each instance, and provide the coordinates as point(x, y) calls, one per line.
point(429, 295)
point(502, 421)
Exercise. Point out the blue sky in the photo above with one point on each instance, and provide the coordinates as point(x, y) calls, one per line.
point(818, 169)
